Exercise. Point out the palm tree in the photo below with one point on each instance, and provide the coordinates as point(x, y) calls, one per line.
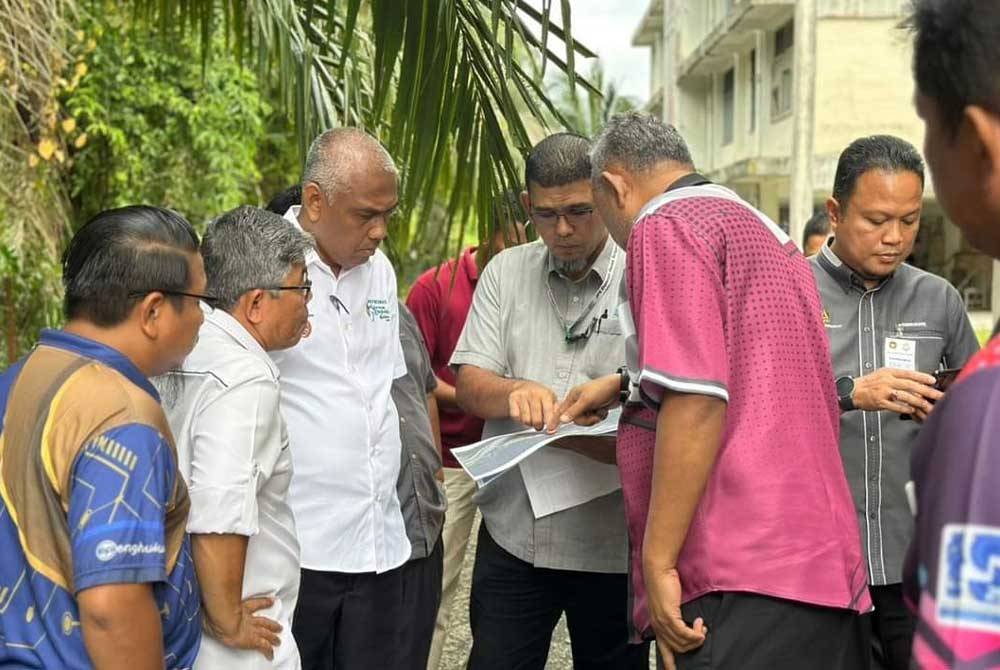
point(447, 84)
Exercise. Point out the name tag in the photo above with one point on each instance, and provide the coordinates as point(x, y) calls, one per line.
point(900, 354)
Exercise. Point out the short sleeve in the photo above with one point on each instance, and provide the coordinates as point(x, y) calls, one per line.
point(962, 341)
point(480, 343)
point(679, 305)
point(424, 304)
point(121, 485)
point(235, 441)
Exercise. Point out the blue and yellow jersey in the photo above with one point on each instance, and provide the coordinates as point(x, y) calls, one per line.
point(89, 495)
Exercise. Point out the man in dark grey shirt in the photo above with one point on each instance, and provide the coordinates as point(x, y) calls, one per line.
point(890, 326)
point(421, 497)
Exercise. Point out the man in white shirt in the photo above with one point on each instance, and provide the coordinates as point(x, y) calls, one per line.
point(232, 445)
point(342, 423)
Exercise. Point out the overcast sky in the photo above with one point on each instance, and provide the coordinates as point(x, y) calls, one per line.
point(607, 27)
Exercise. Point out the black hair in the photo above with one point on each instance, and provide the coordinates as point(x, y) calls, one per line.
point(955, 55)
point(558, 160)
point(121, 255)
point(285, 200)
point(819, 224)
point(878, 152)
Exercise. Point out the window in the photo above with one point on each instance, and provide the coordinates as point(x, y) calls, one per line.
point(781, 71)
point(753, 90)
point(728, 106)
point(784, 38)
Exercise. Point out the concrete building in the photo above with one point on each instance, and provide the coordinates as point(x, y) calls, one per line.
point(727, 74)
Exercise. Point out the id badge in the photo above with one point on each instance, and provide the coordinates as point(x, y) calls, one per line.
point(900, 354)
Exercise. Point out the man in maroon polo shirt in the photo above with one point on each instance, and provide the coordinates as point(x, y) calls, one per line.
point(440, 300)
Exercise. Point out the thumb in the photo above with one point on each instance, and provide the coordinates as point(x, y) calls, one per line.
point(254, 604)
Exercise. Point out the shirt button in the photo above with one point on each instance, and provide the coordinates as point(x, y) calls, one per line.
point(868, 366)
point(413, 457)
point(871, 439)
point(402, 419)
point(563, 375)
point(576, 298)
point(867, 329)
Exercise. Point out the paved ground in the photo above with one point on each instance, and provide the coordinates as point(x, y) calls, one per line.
point(459, 639)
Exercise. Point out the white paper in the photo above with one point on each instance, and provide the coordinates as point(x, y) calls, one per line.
point(556, 479)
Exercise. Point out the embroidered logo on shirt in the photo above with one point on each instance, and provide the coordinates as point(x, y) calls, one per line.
point(968, 588)
point(378, 310)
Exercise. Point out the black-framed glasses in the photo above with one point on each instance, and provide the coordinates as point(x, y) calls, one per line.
point(207, 300)
point(574, 216)
point(593, 327)
point(304, 289)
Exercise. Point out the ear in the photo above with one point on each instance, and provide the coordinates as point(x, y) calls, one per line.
point(619, 187)
point(313, 200)
point(833, 211)
point(526, 203)
point(150, 312)
point(252, 305)
point(982, 128)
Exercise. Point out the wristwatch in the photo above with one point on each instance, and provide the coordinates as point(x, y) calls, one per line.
point(624, 388)
point(845, 393)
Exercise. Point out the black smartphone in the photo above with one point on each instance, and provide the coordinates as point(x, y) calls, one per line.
point(945, 378)
point(942, 380)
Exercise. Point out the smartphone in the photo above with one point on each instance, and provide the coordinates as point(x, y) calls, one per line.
point(942, 380)
point(945, 378)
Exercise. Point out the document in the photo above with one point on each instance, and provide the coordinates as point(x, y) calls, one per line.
point(556, 478)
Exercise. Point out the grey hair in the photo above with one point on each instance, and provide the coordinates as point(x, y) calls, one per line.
point(248, 248)
point(335, 152)
point(638, 142)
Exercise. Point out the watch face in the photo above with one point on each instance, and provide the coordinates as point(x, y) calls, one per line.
point(845, 387)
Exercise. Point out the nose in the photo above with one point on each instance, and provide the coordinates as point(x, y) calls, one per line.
point(379, 232)
point(893, 234)
point(563, 229)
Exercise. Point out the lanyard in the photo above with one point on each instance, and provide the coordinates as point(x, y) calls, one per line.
point(605, 285)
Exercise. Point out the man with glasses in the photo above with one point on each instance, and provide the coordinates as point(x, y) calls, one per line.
point(96, 568)
point(543, 319)
point(342, 423)
point(232, 443)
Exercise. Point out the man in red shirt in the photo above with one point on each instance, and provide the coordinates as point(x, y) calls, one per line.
point(440, 300)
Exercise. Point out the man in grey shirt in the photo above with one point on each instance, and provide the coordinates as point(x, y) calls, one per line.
point(543, 320)
point(421, 497)
point(890, 326)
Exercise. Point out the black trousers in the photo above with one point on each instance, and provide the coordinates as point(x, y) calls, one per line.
point(892, 627)
point(382, 621)
point(752, 632)
point(515, 607)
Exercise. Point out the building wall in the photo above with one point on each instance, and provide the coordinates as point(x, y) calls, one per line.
point(863, 83)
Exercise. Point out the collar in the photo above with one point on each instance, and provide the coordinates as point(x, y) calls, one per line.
point(102, 353)
point(692, 179)
point(468, 262)
point(842, 273)
point(228, 324)
point(599, 267)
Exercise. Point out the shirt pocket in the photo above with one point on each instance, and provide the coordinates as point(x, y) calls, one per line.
point(930, 347)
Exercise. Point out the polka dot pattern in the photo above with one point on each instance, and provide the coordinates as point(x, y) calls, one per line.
point(723, 307)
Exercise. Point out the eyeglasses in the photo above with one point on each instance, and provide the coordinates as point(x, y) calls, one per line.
point(207, 300)
point(305, 288)
point(574, 216)
point(593, 327)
